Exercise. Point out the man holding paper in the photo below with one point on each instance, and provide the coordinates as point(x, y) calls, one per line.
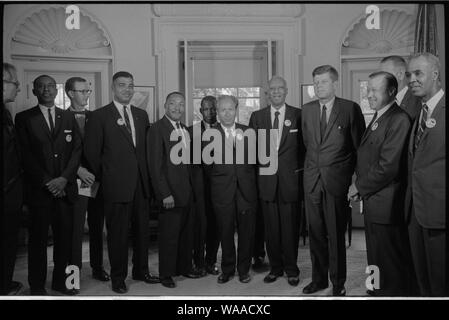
point(78, 91)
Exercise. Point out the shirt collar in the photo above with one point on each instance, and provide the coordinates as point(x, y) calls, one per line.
point(207, 125)
point(281, 110)
point(44, 108)
point(401, 94)
point(384, 109)
point(120, 106)
point(328, 104)
point(173, 122)
point(432, 102)
point(225, 128)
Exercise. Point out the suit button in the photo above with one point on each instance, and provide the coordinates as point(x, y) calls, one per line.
point(56, 155)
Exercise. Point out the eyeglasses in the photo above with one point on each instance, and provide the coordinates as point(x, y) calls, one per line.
point(16, 83)
point(83, 91)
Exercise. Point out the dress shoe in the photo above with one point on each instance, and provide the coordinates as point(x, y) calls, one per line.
point(338, 291)
point(147, 277)
point(168, 282)
point(224, 277)
point(101, 275)
point(371, 293)
point(65, 291)
point(192, 274)
point(312, 288)
point(212, 269)
point(271, 277)
point(120, 287)
point(293, 281)
point(245, 278)
point(38, 292)
point(14, 288)
point(201, 272)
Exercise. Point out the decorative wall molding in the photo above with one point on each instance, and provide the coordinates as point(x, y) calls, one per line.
point(228, 10)
point(46, 30)
point(396, 32)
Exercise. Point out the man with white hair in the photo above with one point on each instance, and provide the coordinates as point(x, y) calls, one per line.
point(426, 192)
point(12, 186)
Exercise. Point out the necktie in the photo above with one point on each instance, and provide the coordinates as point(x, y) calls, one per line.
point(128, 124)
point(230, 137)
point(50, 119)
point(276, 120)
point(323, 122)
point(421, 126)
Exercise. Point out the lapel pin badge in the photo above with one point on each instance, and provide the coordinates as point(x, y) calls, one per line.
point(68, 138)
point(374, 127)
point(339, 127)
point(120, 122)
point(431, 123)
point(287, 123)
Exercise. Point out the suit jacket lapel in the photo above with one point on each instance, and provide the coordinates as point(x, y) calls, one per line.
point(316, 122)
point(285, 129)
point(41, 122)
point(334, 115)
point(116, 117)
point(378, 121)
point(58, 120)
point(137, 127)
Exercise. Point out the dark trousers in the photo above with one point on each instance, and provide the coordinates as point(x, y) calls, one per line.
point(259, 236)
point(95, 222)
point(118, 216)
point(10, 223)
point(60, 216)
point(326, 217)
point(175, 241)
point(429, 258)
point(242, 214)
point(282, 234)
point(387, 248)
point(206, 240)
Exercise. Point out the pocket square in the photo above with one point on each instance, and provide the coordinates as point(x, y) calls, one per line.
point(294, 130)
point(67, 131)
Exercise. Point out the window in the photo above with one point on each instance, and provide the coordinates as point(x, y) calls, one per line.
point(249, 101)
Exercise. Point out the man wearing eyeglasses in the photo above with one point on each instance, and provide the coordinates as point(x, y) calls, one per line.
point(51, 149)
point(78, 91)
point(12, 186)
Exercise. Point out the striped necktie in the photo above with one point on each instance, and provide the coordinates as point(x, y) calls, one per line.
point(421, 126)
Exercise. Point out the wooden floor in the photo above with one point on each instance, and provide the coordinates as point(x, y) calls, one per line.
point(208, 286)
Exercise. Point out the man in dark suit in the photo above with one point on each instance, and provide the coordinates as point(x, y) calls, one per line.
point(332, 128)
point(426, 192)
point(381, 181)
point(78, 91)
point(172, 184)
point(115, 150)
point(12, 186)
point(205, 240)
point(51, 149)
point(397, 66)
point(279, 192)
point(234, 191)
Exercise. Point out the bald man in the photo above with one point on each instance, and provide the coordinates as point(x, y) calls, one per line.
point(426, 193)
point(397, 66)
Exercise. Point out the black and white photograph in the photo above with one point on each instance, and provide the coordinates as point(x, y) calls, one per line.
point(224, 150)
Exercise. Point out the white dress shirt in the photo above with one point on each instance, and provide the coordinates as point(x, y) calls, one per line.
point(380, 112)
point(120, 109)
point(230, 130)
point(44, 111)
